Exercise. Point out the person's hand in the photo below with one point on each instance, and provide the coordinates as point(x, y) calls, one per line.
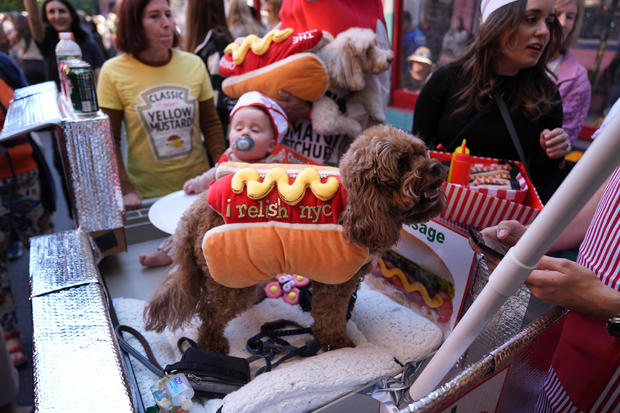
point(132, 200)
point(506, 232)
point(195, 186)
point(190, 186)
point(555, 143)
point(565, 283)
point(199, 183)
point(295, 108)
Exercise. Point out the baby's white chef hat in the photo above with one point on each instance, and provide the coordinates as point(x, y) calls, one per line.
point(489, 6)
point(279, 121)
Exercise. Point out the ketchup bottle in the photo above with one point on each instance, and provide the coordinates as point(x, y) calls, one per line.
point(459, 166)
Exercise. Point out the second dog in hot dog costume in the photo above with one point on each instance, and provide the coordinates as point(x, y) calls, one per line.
point(280, 218)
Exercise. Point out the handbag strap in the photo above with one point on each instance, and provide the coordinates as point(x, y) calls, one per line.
point(472, 121)
point(511, 129)
point(149, 361)
point(274, 344)
point(204, 41)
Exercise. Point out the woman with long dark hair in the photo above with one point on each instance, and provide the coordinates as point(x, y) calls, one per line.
point(29, 59)
point(57, 16)
point(207, 35)
point(241, 22)
point(507, 60)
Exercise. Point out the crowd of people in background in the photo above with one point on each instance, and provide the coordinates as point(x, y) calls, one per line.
point(27, 56)
point(140, 52)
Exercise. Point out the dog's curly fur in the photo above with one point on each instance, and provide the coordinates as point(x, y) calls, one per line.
point(351, 55)
point(389, 180)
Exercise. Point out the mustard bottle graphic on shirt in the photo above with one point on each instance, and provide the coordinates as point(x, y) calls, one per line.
point(167, 115)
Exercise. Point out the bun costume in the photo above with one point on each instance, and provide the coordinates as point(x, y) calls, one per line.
point(291, 211)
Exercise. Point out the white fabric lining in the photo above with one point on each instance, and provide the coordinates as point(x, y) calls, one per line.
point(380, 328)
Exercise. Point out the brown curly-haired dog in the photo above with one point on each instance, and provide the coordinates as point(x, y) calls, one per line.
point(389, 181)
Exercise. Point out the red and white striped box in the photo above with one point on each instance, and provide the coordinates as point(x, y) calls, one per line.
point(479, 210)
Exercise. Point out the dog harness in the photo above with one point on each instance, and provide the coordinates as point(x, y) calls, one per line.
point(280, 219)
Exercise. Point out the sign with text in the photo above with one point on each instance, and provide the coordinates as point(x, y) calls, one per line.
point(428, 270)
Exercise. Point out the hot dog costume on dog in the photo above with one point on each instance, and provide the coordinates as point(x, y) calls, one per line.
point(279, 218)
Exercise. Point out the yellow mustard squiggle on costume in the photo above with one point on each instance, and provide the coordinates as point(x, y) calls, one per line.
point(258, 45)
point(290, 193)
point(435, 302)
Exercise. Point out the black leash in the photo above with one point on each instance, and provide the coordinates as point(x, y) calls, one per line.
point(269, 343)
point(150, 362)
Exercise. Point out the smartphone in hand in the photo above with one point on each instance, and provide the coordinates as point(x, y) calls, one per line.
point(488, 245)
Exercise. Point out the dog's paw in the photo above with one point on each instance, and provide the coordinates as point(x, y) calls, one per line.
point(336, 343)
point(208, 340)
point(219, 347)
point(355, 129)
point(378, 116)
point(374, 110)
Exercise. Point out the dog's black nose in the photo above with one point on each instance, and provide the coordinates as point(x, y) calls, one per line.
point(436, 169)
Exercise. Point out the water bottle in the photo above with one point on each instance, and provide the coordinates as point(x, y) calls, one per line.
point(66, 49)
point(180, 391)
point(173, 393)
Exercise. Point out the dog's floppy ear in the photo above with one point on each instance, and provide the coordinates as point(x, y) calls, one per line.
point(348, 66)
point(371, 172)
point(391, 162)
point(394, 174)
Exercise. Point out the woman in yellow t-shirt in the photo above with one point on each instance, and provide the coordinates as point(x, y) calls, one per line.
point(165, 99)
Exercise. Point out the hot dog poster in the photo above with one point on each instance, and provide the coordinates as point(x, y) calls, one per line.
point(428, 270)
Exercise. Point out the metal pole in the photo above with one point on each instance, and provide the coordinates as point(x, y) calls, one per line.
point(601, 158)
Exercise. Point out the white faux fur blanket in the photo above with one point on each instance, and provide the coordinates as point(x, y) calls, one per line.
point(381, 329)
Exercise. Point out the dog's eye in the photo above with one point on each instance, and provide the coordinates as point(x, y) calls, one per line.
point(402, 163)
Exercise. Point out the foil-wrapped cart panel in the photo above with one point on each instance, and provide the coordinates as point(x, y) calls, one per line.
point(59, 261)
point(76, 359)
point(33, 108)
point(93, 172)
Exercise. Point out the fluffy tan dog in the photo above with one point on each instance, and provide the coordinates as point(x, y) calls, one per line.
point(389, 180)
point(353, 54)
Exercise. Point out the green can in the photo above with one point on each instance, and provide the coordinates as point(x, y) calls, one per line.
point(81, 90)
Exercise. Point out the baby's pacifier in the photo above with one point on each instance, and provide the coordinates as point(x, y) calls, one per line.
point(244, 143)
